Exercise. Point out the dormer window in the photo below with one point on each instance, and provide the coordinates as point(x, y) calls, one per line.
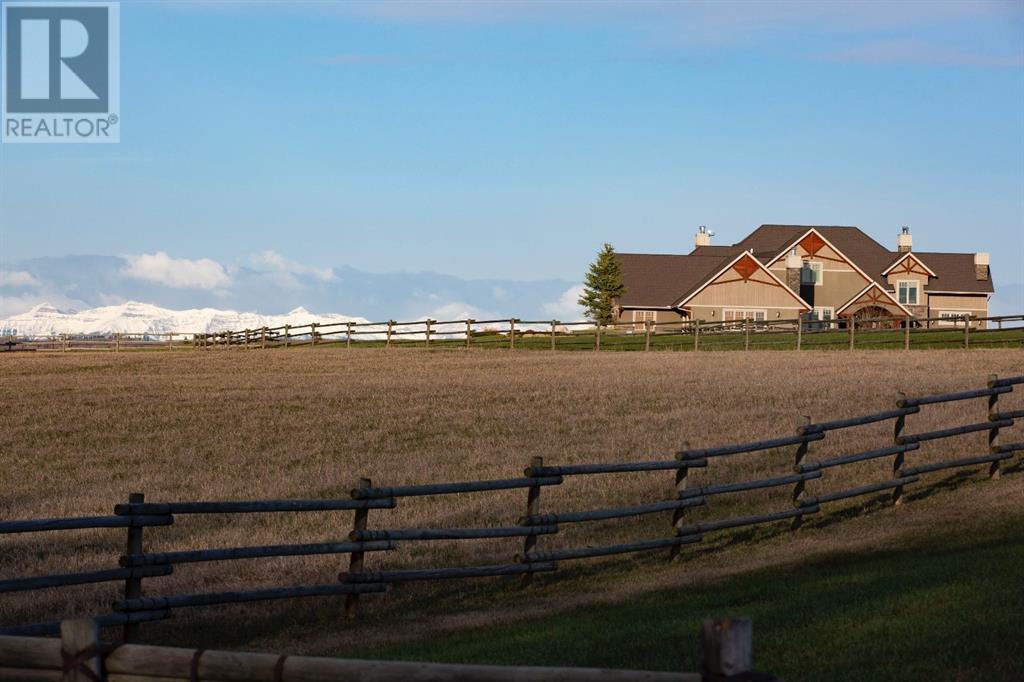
point(908, 291)
point(811, 274)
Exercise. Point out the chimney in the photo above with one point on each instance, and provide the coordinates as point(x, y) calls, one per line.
point(793, 266)
point(981, 266)
point(703, 237)
point(904, 241)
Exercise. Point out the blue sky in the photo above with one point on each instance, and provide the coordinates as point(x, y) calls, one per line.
point(508, 140)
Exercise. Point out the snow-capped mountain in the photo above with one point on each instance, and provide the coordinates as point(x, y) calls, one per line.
point(143, 318)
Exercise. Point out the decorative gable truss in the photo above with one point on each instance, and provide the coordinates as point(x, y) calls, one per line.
point(909, 264)
point(872, 295)
point(816, 247)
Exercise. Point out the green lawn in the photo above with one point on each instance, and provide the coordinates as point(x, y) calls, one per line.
point(949, 610)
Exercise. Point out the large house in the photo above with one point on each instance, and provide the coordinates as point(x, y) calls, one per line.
point(786, 271)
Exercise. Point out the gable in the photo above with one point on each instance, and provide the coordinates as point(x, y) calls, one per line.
point(744, 282)
point(874, 295)
point(908, 264)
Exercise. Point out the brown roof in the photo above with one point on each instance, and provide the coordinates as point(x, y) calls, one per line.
point(955, 272)
point(659, 280)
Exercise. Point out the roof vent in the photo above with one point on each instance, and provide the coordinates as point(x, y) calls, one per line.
point(904, 242)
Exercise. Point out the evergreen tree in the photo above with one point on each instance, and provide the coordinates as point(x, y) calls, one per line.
point(602, 286)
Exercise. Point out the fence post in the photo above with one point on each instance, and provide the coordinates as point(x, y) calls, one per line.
point(897, 462)
point(799, 332)
point(798, 459)
point(80, 643)
point(355, 562)
point(647, 335)
point(696, 334)
point(469, 332)
point(532, 509)
point(993, 433)
point(429, 322)
point(906, 333)
point(133, 586)
point(682, 474)
point(263, 337)
point(512, 334)
point(246, 342)
point(597, 337)
point(117, 342)
point(387, 341)
point(348, 334)
point(287, 334)
point(967, 331)
point(553, 334)
point(853, 330)
point(312, 332)
point(728, 648)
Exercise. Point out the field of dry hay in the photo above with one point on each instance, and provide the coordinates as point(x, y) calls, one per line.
point(79, 432)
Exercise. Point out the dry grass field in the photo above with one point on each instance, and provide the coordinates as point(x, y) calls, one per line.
point(78, 432)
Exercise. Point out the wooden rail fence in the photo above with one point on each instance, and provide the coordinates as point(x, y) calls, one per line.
point(536, 528)
point(81, 656)
point(781, 334)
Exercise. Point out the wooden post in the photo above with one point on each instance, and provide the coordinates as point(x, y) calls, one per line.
point(897, 462)
point(355, 563)
point(532, 509)
point(993, 433)
point(263, 338)
point(682, 474)
point(469, 332)
point(387, 342)
point(553, 334)
point(696, 334)
point(63, 343)
point(647, 335)
point(312, 332)
point(117, 342)
point(287, 335)
point(170, 341)
point(133, 586)
point(429, 321)
point(79, 646)
point(798, 459)
point(799, 331)
point(512, 333)
point(746, 334)
point(906, 333)
point(967, 331)
point(348, 334)
point(597, 337)
point(728, 648)
point(853, 330)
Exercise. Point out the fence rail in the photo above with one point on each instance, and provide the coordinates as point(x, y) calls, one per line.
point(538, 530)
point(81, 656)
point(779, 334)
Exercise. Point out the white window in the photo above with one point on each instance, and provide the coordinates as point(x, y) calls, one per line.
point(908, 291)
point(811, 273)
point(823, 313)
point(731, 315)
point(644, 315)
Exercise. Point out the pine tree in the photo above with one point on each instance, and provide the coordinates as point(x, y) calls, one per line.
point(602, 286)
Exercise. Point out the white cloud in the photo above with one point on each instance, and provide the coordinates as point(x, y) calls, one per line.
point(566, 309)
point(275, 262)
point(17, 278)
point(179, 273)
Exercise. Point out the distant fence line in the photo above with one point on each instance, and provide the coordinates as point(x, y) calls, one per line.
point(534, 528)
point(781, 334)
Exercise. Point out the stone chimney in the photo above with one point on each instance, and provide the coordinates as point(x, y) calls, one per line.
point(981, 266)
point(703, 237)
point(793, 266)
point(904, 241)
